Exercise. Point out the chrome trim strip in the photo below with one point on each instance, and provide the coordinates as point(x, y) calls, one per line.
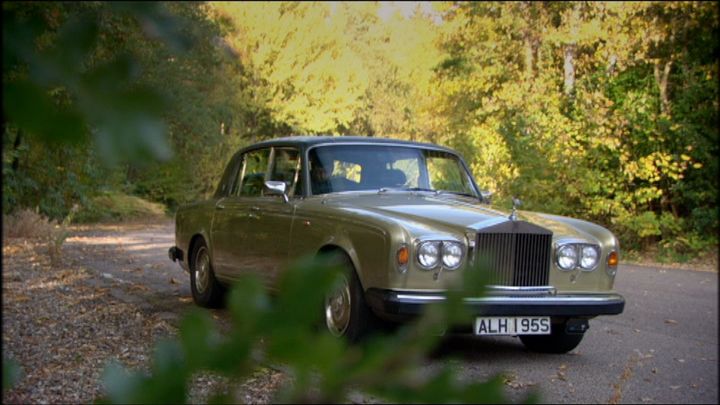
point(522, 290)
point(559, 298)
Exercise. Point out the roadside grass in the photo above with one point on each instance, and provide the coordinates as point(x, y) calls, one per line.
point(654, 256)
point(116, 206)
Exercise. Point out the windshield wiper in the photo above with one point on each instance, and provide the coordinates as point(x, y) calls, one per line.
point(456, 193)
point(385, 189)
point(420, 189)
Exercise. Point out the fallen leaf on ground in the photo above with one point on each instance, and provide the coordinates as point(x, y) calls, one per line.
point(671, 321)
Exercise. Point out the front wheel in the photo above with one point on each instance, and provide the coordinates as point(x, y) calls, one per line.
point(558, 341)
point(345, 311)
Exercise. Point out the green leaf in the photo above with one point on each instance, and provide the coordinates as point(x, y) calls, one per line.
point(29, 106)
point(120, 386)
point(76, 38)
point(196, 329)
point(11, 373)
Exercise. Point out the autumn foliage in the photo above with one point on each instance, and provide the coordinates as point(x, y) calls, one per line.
point(603, 110)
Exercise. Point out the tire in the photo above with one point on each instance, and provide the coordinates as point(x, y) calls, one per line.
point(206, 290)
point(345, 312)
point(557, 342)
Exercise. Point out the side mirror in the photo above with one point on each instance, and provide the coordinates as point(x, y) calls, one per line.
point(277, 188)
point(486, 195)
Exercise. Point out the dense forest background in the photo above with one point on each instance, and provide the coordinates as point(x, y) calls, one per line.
point(606, 111)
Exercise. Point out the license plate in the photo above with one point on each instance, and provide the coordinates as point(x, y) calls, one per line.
point(512, 325)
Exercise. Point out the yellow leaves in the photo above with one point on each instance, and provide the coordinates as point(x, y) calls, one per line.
point(697, 165)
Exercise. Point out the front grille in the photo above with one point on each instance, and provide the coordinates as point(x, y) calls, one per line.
point(515, 253)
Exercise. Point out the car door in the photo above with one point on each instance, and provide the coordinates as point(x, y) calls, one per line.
point(270, 235)
point(236, 214)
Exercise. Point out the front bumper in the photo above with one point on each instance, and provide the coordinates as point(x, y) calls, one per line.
point(394, 304)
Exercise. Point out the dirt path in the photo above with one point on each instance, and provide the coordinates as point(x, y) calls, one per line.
point(115, 295)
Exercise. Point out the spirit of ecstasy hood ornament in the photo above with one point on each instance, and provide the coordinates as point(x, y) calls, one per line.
point(513, 214)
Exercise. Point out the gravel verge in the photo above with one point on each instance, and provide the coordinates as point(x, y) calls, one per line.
point(108, 301)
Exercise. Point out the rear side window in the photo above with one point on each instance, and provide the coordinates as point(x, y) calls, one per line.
point(255, 164)
point(228, 178)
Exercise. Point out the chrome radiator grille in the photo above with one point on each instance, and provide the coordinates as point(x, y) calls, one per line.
point(516, 254)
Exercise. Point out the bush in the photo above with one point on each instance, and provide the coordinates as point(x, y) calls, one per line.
point(28, 224)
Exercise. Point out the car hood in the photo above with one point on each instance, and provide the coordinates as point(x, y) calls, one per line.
point(419, 210)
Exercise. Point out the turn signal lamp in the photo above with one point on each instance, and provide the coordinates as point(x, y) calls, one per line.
point(612, 262)
point(403, 257)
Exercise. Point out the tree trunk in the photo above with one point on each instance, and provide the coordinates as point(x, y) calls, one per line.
point(612, 62)
point(569, 66)
point(532, 45)
point(661, 78)
point(16, 145)
point(569, 50)
point(531, 40)
point(528, 57)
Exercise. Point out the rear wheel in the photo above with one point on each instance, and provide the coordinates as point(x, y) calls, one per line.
point(345, 311)
point(206, 290)
point(558, 341)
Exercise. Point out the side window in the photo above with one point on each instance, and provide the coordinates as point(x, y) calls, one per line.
point(253, 173)
point(228, 179)
point(286, 168)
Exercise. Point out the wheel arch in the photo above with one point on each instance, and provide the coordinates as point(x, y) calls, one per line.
point(191, 246)
point(334, 248)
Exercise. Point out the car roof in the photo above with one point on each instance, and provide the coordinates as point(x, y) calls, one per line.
point(308, 141)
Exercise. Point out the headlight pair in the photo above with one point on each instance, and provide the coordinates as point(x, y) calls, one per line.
point(570, 256)
point(431, 253)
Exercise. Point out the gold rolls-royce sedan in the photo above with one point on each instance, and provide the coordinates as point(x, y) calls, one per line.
point(408, 219)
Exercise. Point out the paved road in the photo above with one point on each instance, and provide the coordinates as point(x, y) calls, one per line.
point(662, 349)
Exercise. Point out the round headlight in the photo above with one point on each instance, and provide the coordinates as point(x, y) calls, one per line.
point(429, 254)
point(451, 255)
point(567, 257)
point(589, 257)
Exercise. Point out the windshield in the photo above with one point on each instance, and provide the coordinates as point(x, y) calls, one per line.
point(336, 168)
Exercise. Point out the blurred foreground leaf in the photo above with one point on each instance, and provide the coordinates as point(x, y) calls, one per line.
point(287, 330)
point(54, 88)
point(11, 373)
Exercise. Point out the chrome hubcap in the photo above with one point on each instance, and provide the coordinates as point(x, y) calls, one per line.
point(337, 309)
point(202, 270)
